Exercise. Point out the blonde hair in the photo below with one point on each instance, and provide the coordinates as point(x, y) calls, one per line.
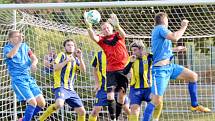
point(137, 43)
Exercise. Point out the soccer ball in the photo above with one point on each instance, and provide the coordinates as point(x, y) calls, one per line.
point(93, 16)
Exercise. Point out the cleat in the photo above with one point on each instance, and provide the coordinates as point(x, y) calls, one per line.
point(200, 108)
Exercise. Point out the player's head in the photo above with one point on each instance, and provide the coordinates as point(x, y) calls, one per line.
point(107, 28)
point(161, 18)
point(15, 36)
point(69, 46)
point(137, 48)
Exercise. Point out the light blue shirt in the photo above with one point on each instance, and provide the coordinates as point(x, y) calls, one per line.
point(161, 47)
point(20, 64)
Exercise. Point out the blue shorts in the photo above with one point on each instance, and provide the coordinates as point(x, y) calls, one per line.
point(101, 98)
point(138, 95)
point(161, 76)
point(25, 88)
point(70, 97)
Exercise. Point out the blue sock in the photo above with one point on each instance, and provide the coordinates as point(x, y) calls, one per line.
point(148, 112)
point(37, 109)
point(29, 111)
point(192, 86)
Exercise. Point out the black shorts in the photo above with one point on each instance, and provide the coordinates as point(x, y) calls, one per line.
point(116, 80)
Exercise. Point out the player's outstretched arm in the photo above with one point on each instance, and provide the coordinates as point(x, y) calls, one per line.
point(115, 22)
point(91, 33)
point(175, 36)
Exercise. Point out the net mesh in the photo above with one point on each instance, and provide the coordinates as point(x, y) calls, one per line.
point(49, 27)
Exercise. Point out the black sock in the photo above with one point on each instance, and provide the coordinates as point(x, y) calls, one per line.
point(118, 109)
point(112, 108)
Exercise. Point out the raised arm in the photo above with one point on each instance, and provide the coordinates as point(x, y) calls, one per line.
point(115, 22)
point(14, 50)
point(175, 36)
point(91, 33)
point(127, 69)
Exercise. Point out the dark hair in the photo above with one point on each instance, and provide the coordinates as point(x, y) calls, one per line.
point(159, 18)
point(12, 32)
point(68, 40)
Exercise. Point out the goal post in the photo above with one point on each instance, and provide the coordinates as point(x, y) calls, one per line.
point(47, 25)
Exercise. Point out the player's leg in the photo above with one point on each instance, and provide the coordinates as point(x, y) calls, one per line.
point(135, 102)
point(95, 112)
point(75, 102)
point(122, 84)
point(23, 93)
point(38, 95)
point(157, 112)
point(111, 85)
point(101, 100)
point(160, 80)
point(126, 107)
point(191, 77)
point(59, 103)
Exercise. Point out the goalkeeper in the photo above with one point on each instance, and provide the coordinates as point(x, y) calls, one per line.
point(163, 70)
point(65, 68)
point(99, 70)
point(116, 53)
point(19, 58)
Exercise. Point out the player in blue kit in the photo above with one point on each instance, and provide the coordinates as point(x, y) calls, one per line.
point(99, 69)
point(19, 59)
point(163, 70)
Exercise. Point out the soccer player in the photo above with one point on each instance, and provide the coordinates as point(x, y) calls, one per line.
point(99, 70)
point(141, 80)
point(163, 70)
point(19, 59)
point(49, 60)
point(113, 44)
point(65, 68)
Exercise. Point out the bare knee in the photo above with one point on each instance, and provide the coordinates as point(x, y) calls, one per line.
point(32, 102)
point(59, 104)
point(41, 101)
point(156, 100)
point(81, 111)
point(194, 77)
point(96, 111)
point(135, 109)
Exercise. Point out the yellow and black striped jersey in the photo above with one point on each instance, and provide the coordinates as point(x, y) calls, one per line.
point(66, 76)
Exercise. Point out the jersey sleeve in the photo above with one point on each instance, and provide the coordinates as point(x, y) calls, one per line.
point(164, 31)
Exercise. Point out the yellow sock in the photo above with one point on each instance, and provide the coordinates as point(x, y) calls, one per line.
point(48, 112)
point(157, 111)
point(92, 118)
point(133, 118)
point(81, 118)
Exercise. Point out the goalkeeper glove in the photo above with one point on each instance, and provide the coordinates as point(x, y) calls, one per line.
point(88, 24)
point(114, 20)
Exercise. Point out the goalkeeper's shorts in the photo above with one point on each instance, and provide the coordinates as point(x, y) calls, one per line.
point(25, 88)
point(161, 76)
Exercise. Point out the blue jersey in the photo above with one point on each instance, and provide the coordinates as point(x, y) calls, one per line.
point(20, 64)
point(161, 47)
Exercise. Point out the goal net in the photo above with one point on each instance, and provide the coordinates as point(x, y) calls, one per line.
point(46, 26)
